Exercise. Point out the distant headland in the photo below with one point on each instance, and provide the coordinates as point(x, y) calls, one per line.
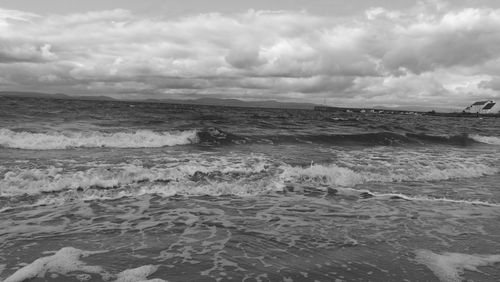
point(470, 111)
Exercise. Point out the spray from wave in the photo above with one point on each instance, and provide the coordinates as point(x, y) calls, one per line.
point(94, 139)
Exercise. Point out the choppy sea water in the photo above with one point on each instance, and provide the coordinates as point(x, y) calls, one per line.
point(122, 191)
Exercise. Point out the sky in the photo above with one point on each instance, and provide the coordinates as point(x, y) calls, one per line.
point(348, 53)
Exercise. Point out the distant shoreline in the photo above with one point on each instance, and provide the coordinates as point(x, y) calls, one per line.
point(243, 104)
point(400, 112)
point(270, 104)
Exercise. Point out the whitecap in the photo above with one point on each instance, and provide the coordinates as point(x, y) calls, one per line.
point(333, 174)
point(95, 139)
point(492, 140)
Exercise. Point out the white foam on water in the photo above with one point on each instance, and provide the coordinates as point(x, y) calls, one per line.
point(449, 267)
point(432, 199)
point(492, 140)
point(67, 260)
point(331, 174)
point(34, 181)
point(95, 139)
point(191, 175)
point(342, 176)
point(239, 188)
point(4, 209)
point(201, 176)
point(138, 274)
point(63, 261)
point(232, 174)
point(345, 191)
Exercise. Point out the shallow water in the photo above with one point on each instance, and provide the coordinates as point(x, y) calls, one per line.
point(121, 191)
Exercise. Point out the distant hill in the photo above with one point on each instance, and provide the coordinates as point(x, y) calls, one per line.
point(52, 96)
point(237, 103)
point(200, 101)
point(224, 102)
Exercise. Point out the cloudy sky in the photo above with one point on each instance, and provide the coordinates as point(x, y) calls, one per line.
point(350, 53)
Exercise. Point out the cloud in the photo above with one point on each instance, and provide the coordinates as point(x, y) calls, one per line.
point(465, 38)
point(6, 15)
point(10, 53)
point(244, 57)
point(428, 54)
point(493, 83)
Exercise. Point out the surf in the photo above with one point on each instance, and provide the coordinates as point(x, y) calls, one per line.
point(57, 140)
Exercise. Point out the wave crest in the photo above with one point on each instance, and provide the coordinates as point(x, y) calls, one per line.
point(214, 136)
point(94, 139)
point(492, 140)
point(341, 176)
point(235, 174)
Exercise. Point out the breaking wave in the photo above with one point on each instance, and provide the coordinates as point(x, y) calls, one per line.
point(94, 139)
point(332, 174)
point(212, 136)
point(232, 175)
point(487, 139)
point(241, 175)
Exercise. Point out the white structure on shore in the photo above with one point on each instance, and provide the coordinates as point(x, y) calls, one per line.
point(481, 107)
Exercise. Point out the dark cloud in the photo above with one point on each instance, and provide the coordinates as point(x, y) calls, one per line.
point(244, 58)
point(425, 54)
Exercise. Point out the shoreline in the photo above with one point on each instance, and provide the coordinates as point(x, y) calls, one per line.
point(401, 112)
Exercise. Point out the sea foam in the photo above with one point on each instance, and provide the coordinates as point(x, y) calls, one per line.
point(67, 260)
point(62, 262)
point(94, 139)
point(202, 175)
point(492, 140)
point(333, 174)
point(449, 267)
point(172, 173)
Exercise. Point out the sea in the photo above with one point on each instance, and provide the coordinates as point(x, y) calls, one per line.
point(135, 191)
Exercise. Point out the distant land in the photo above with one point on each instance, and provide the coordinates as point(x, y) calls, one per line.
point(218, 102)
point(200, 101)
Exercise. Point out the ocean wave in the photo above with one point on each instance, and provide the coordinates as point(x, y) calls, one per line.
point(215, 136)
point(458, 139)
point(242, 175)
point(196, 174)
point(492, 140)
point(333, 174)
point(441, 200)
point(367, 194)
point(94, 139)
point(212, 136)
